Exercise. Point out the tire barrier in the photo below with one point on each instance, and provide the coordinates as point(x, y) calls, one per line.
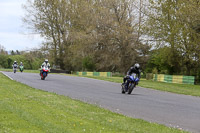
point(102, 74)
point(174, 78)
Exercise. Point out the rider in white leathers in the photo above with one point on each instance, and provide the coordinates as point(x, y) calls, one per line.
point(45, 63)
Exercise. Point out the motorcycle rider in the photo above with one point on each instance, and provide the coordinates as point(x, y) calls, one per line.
point(135, 69)
point(45, 63)
point(21, 64)
point(15, 66)
point(15, 63)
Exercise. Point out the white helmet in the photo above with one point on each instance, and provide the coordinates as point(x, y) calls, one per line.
point(46, 60)
point(136, 66)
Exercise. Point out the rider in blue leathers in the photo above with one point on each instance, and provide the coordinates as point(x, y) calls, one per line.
point(135, 69)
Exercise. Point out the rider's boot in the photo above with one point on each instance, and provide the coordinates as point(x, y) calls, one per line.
point(122, 84)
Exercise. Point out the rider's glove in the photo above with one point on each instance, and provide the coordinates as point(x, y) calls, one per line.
point(127, 76)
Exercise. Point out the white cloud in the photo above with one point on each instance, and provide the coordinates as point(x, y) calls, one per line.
point(11, 13)
point(16, 41)
point(11, 8)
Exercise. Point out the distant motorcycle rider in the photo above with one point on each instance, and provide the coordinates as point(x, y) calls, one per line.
point(21, 67)
point(15, 64)
point(21, 64)
point(135, 69)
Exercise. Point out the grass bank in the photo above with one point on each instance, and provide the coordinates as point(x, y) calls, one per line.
point(193, 90)
point(25, 109)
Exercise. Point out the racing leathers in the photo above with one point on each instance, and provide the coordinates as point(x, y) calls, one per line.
point(15, 65)
point(45, 64)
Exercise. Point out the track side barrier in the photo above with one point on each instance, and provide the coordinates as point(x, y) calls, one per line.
point(102, 74)
point(174, 78)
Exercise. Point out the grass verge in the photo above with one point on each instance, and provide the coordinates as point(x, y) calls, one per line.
point(25, 109)
point(193, 90)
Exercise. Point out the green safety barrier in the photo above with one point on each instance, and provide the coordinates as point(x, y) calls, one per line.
point(174, 78)
point(102, 74)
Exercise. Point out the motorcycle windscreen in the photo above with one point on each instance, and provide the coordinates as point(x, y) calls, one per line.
point(45, 68)
point(133, 76)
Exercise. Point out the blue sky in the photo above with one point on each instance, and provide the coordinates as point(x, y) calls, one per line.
point(13, 35)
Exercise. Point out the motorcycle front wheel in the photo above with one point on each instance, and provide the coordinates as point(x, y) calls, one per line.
point(131, 87)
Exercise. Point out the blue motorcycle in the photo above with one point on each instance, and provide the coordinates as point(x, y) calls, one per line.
point(131, 83)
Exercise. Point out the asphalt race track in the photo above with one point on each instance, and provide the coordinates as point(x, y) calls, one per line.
point(170, 109)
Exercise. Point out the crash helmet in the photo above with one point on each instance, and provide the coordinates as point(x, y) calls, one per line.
point(46, 60)
point(137, 66)
point(21, 63)
point(15, 61)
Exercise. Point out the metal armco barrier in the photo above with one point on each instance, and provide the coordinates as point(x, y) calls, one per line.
point(102, 74)
point(174, 78)
point(59, 71)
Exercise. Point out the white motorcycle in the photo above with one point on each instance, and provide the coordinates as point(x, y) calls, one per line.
point(15, 68)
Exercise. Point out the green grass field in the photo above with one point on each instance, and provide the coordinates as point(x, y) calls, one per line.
point(193, 90)
point(25, 109)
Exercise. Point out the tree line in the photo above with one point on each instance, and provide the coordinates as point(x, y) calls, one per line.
point(31, 60)
point(112, 35)
point(93, 35)
point(174, 25)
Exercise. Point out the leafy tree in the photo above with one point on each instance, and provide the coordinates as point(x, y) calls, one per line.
point(50, 19)
point(2, 50)
point(9, 61)
point(77, 29)
point(3, 61)
point(17, 52)
point(159, 61)
point(88, 64)
point(12, 52)
point(169, 25)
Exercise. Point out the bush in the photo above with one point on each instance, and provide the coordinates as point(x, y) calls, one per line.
point(117, 74)
point(3, 61)
point(88, 64)
point(29, 62)
point(155, 71)
point(149, 76)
